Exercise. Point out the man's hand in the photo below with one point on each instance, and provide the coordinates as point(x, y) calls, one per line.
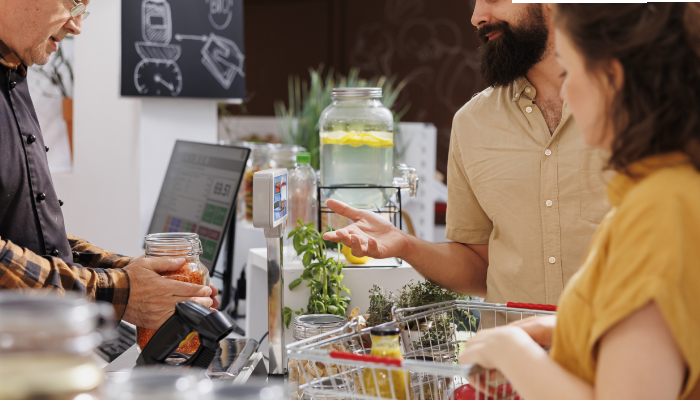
point(370, 234)
point(152, 298)
point(540, 329)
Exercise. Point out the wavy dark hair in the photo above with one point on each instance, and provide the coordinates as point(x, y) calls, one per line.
point(658, 44)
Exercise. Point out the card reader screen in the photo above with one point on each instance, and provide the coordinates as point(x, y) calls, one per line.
point(280, 198)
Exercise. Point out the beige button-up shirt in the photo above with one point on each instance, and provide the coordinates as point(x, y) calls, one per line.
point(535, 198)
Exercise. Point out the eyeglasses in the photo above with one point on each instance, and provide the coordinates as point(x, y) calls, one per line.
point(79, 9)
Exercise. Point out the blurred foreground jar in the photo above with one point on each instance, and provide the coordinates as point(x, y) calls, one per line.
point(158, 384)
point(46, 344)
point(357, 146)
point(177, 245)
point(379, 382)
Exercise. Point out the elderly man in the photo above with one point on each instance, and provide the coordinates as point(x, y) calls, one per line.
point(525, 192)
point(35, 252)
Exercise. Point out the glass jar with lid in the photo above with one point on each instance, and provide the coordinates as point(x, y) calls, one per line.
point(306, 326)
point(357, 146)
point(47, 343)
point(283, 155)
point(177, 245)
point(257, 161)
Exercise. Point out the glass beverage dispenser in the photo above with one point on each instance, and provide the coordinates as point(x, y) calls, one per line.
point(357, 147)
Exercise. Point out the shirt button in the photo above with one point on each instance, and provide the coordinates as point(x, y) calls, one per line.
point(528, 90)
point(548, 203)
point(47, 148)
point(76, 255)
point(13, 84)
point(548, 152)
point(552, 260)
point(516, 96)
point(41, 197)
point(528, 110)
point(31, 139)
point(60, 202)
point(54, 253)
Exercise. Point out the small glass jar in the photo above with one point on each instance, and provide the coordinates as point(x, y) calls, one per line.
point(357, 146)
point(47, 343)
point(257, 161)
point(306, 326)
point(283, 155)
point(176, 245)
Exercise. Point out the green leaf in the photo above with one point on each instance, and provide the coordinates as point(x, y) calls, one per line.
point(332, 309)
point(341, 310)
point(297, 243)
point(295, 283)
point(307, 259)
point(345, 299)
point(287, 312)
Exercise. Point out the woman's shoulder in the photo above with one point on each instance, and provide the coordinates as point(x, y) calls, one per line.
point(677, 186)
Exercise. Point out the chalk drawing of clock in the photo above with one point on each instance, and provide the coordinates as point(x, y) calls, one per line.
point(158, 77)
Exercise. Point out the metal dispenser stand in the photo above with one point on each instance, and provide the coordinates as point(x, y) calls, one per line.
point(270, 213)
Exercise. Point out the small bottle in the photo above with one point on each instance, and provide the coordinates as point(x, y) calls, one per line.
point(302, 184)
point(379, 382)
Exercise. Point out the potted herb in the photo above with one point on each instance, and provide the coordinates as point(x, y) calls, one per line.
point(437, 332)
point(322, 274)
point(380, 304)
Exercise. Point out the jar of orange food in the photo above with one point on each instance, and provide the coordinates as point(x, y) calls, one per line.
point(177, 245)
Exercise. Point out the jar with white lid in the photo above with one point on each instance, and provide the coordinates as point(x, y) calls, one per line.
point(47, 342)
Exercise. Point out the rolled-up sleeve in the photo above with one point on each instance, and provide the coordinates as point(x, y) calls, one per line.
point(21, 269)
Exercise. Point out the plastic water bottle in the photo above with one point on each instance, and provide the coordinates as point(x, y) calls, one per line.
point(303, 189)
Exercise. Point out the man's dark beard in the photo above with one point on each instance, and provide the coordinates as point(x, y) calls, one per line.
point(512, 54)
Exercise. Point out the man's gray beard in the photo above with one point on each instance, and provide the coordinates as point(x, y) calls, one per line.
point(37, 53)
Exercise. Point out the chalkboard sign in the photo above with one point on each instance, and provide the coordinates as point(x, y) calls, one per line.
point(183, 48)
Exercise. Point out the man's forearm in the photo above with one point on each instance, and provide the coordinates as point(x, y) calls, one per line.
point(454, 266)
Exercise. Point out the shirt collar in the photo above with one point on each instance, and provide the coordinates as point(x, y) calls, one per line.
point(9, 59)
point(622, 183)
point(522, 87)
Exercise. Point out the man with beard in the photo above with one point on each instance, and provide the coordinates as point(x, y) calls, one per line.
point(525, 193)
point(35, 251)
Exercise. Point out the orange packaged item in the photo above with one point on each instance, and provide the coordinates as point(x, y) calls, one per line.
point(177, 245)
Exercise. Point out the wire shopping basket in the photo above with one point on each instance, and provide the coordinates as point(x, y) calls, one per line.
point(337, 365)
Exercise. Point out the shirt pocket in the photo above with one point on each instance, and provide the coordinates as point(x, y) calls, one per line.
point(592, 180)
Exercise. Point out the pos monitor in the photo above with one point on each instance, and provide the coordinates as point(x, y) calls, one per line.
point(199, 193)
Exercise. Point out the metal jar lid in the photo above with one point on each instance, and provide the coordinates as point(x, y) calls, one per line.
point(356, 92)
point(306, 326)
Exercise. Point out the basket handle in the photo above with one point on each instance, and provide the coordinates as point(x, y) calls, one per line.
point(529, 306)
point(371, 359)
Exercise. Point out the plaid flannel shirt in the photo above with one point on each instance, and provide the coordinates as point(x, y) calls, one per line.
point(97, 273)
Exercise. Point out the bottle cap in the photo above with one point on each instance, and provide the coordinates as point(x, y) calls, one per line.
point(304, 158)
point(385, 330)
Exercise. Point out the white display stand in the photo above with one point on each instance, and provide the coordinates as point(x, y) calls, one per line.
point(358, 279)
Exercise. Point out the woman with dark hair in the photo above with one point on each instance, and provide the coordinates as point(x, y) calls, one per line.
point(628, 323)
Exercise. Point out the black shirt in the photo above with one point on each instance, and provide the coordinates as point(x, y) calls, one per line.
point(30, 214)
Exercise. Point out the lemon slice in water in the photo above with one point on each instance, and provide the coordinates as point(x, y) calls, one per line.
point(356, 139)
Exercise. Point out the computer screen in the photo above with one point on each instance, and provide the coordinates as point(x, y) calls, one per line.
point(199, 192)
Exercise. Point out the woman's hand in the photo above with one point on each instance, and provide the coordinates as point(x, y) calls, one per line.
point(540, 329)
point(491, 347)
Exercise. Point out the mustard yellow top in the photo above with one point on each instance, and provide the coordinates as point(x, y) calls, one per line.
point(647, 248)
